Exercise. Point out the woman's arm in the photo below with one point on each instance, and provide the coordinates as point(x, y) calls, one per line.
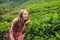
point(24, 26)
point(11, 34)
point(11, 30)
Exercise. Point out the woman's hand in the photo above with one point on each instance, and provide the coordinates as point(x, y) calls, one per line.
point(27, 22)
point(21, 36)
point(12, 39)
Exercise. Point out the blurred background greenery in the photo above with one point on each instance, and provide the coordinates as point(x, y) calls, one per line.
point(44, 16)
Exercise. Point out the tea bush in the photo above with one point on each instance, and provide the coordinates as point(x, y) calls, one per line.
point(45, 21)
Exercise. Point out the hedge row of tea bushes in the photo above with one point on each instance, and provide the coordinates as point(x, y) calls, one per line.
point(45, 21)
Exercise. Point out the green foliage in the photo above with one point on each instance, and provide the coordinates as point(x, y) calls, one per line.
point(45, 21)
point(4, 26)
point(8, 18)
point(44, 16)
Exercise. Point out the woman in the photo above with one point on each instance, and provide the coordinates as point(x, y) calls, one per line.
point(17, 31)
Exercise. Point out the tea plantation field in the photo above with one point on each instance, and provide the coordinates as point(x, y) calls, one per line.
point(44, 25)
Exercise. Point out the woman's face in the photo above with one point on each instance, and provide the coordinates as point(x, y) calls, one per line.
point(25, 15)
